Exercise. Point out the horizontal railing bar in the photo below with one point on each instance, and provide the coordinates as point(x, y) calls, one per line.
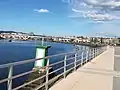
point(70, 58)
point(23, 74)
point(38, 87)
point(69, 64)
point(62, 61)
point(84, 58)
point(13, 77)
point(78, 60)
point(29, 82)
point(4, 80)
point(78, 64)
point(79, 56)
point(56, 63)
point(17, 63)
point(16, 76)
point(48, 81)
point(56, 70)
point(69, 69)
point(53, 79)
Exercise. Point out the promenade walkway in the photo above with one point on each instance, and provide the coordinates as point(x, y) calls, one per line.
point(102, 73)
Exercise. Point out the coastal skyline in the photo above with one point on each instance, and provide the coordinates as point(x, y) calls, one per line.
point(61, 17)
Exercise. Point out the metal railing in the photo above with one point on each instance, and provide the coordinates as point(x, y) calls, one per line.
point(71, 62)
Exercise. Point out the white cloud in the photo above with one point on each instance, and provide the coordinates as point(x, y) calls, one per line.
point(105, 3)
point(98, 10)
point(94, 15)
point(42, 10)
point(74, 10)
point(102, 17)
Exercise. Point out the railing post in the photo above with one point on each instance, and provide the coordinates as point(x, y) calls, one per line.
point(65, 58)
point(100, 50)
point(86, 56)
point(82, 56)
point(97, 52)
point(89, 54)
point(75, 61)
point(47, 74)
point(9, 85)
point(94, 52)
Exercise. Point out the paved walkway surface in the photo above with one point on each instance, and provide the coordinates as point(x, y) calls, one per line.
point(98, 74)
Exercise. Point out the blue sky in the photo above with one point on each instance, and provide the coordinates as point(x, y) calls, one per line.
point(61, 17)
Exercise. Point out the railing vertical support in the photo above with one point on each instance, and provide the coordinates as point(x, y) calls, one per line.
point(97, 52)
point(90, 53)
point(82, 56)
point(94, 52)
point(100, 50)
point(9, 85)
point(47, 74)
point(75, 61)
point(86, 56)
point(65, 58)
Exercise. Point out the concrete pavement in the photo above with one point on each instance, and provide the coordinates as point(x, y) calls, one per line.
point(98, 74)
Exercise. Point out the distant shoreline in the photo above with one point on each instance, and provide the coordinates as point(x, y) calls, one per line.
point(84, 44)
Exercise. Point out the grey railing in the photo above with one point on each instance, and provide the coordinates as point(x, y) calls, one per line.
point(78, 59)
